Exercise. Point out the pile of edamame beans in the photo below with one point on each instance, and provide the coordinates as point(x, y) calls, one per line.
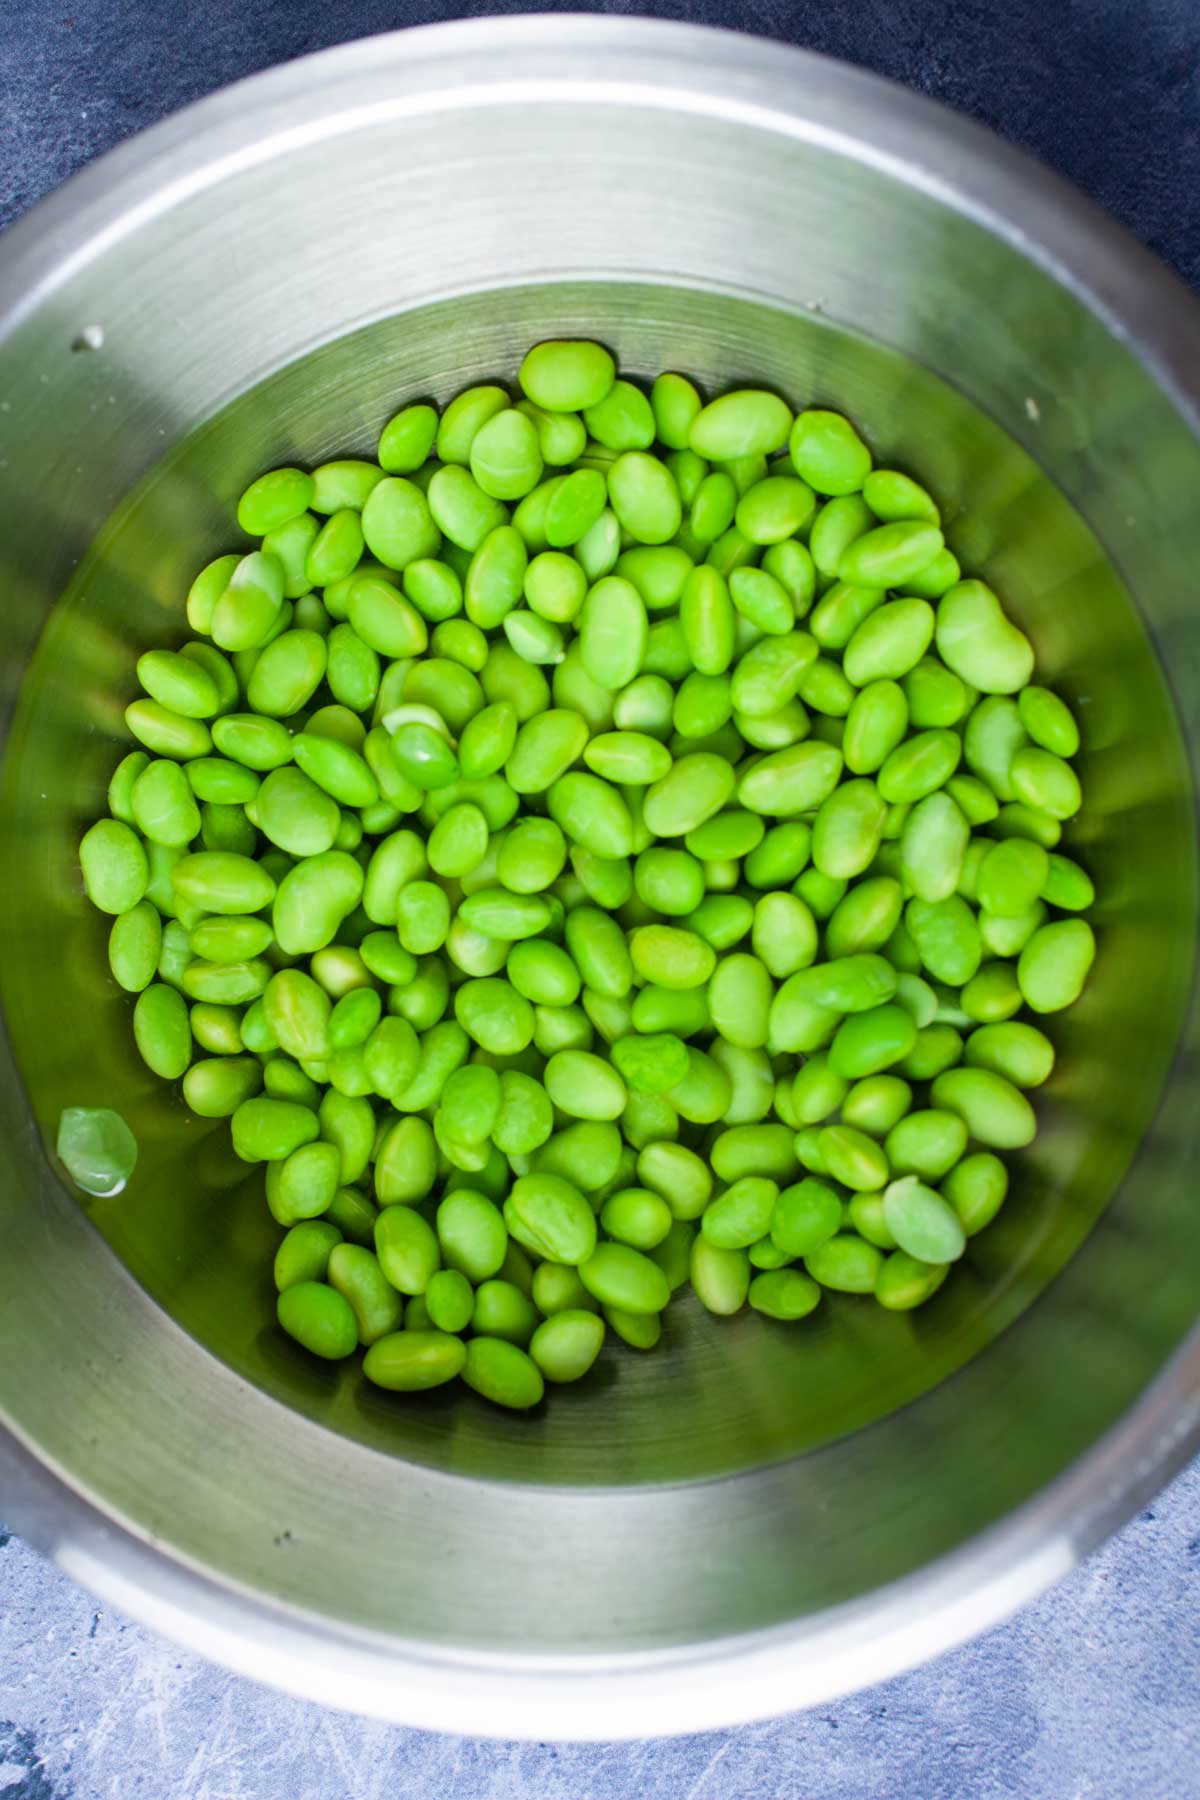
point(600, 845)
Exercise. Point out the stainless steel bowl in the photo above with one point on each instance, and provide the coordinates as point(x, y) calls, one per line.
point(761, 1517)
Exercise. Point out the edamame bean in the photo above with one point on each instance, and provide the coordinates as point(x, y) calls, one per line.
point(853, 1158)
point(927, 1144)
point(996, 1113)
point(319, 1319)
point(784, 1294)
point(502, 1373)
point(846, 1264)
point(115, 869)
point(637, 1217)
point(977, 641)
point(1044, 782)
point(905, 1281)
point(805, 1216)
point(747, 422)
point(828, 453)
point(134, 946)
point(267, 1130)
point(1054, 964)
point(922, 1222)
point(876, 1104)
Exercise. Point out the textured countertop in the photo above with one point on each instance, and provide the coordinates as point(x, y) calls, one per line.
point(1092, 1693)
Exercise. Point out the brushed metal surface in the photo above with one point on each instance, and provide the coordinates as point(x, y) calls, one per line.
point(759, 1516)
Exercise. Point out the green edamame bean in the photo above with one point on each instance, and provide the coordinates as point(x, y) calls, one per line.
point(933, 844)
point(207, 589)
point(225, 983)
point(565, 1346)
point(1054, 964)
point(121, 786)
point(847, 828)
point(268, 1130)
point(712, 506)
point(775, 508)
point(891, 496)
point(977, 641)
point(876, 1104)
point(992, 995)
point(1011, 876)
point(742, 1214)
point(644, 497)
point(995, 1112)
point(1067, 885)
point(356, 1274)
point(413, 1361)
point(304, 1253)
point(1020, 1052)
point(567, 375)
point(675, 405)
point(319, 1319)
point(868, 1042)
point(450, 1300)
point(217, 1028)
point(116, 872)
point(175, 954)
point(302, 1184)
point(816, 1091)
point(623, 420)
point(937, 1047)
point(853, 1158)
point(891, 640)
point(905, 1281)
point(408, 438)
point(923, 1224)
point(612, 632)
point(135, 945)
point(747, 422)
point(889, 555)
point(720, 1276)
point(274, 499)
point(838, 524)
point(828, 453)
point(846, 1264)
point(976, 1189)
point(739, 999)
point(927, 1144)
point(947, 938)
point(678, 1174)
point(162, 1030)
point(781, 856)
point(783, 1294)
point(591, 812)
point(407, 1248)
point(179, 683)
point(637, 1217)
point(875, 726)
point(865, 1213)
point(551, 1217)
point(502, 1373)
point(312, 901)
point(1048, 720)
point(251, 605)
point(805, 1216)
point(1015, 820)
point(545, 747)
point(1044, 782)
point(619, 1276)
point(584, 1087)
